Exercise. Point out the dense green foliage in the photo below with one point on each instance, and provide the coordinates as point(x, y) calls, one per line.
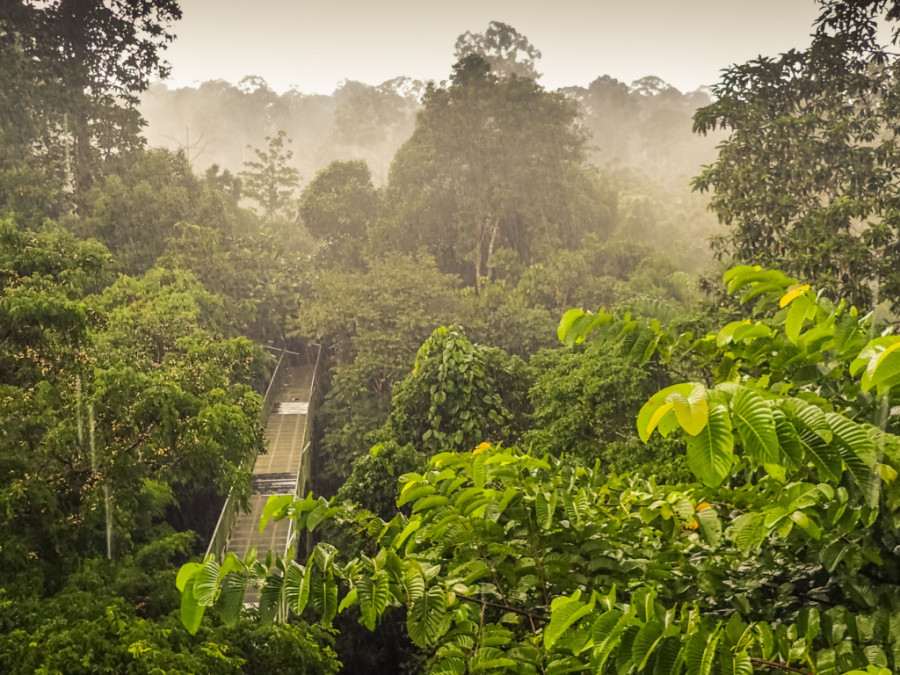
point(780, 556)
point(807, 178)
point(72, 352)
point(75, 70)
point(117, 618)
point(127, 417)
point(489, 490)
point(584, 401)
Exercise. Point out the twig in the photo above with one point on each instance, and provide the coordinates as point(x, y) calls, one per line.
point(514, 610)
point(141, 437)
point(780, 666)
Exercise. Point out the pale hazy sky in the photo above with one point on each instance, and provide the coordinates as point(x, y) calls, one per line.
point(315, 44)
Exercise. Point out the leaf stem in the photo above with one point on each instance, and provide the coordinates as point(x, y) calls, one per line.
point(514, 610)
point(780, 666)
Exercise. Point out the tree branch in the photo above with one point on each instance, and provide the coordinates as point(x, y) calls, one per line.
point(514, 610)
point(779, 666)
point(141, 437)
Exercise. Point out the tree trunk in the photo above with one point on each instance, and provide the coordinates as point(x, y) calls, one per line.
point(479, 236)
point(481, 230)
point(73, 14)
point(495, 228)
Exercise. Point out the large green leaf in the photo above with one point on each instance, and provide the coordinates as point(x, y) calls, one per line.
point(231, 597)
point(318, 514)
point(711, 452)
point(808, 416)
point(649, 416)
point(323, 555)
point(700, 653)
point(881, 360)
point(741, 664)
point(799, 309)
point(413, 525)
point(788, 439)
point(668, 656)
point(692, 411)
point(296, 587)
point(862, 474)
point(270, 598)
point(206, 583)
point(413, 580)
point(606, 634)
point(645, 642)
point(275, 506)
point(373, 593)
point(748, 530)
point(755, 423)
point(623, 659)
point(576, 325)
point(187, 571)
point(191, 611)
point(479, 470)
point(565, 325)
point(323, 595)
point(428, 618)
point(565, 611)
point(848, 331)
point(853, 437)
point(544, 508)
point(352, 598)
point(710, 525)
point(823, 456)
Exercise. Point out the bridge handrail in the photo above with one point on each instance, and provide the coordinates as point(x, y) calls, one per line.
point(303, 473)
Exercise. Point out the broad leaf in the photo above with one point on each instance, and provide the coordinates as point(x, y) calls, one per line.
point(755, 423)
point(645, 642)
point(711, 452)
point(428, 618)
point(649, 410)
point(565, 612)
point(231, 597)
point(797, 313)
point(206, 583)
point(323, 595)
point(191, 612)
point(853, 437)
point(692, 411)
point(275, 505)
point(824, 456)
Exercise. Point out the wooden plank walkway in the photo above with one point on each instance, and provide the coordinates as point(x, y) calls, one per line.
point(276, 471)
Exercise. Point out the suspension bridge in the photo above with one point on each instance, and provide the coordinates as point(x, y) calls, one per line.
point(283, 469)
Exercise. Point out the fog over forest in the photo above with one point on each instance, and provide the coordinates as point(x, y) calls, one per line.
point(644, 125)
point(471, 375)
point(639, 134)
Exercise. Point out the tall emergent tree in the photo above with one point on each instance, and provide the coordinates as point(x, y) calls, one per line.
point(79, 66)
point(808, 179)
point(269, 180)
point(506, 49)
point(493, 163)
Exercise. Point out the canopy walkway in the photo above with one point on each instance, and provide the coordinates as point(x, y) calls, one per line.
point(283, 470)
